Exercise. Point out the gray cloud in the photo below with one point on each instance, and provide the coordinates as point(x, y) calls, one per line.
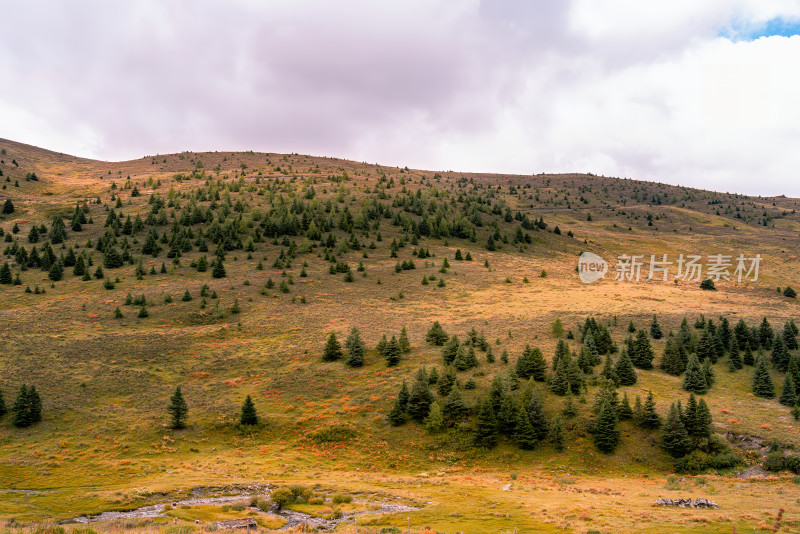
point(510, 86)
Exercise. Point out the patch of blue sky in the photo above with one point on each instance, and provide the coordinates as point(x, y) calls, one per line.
point(752, 31)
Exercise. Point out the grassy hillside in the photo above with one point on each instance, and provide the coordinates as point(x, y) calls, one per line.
point(282, 223)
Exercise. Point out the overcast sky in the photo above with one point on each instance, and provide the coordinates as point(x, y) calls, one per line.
point(692, 92)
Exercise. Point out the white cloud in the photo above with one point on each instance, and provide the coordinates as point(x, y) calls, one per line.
point(638, 89)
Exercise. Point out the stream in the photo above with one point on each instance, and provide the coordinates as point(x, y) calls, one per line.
point(292, 517)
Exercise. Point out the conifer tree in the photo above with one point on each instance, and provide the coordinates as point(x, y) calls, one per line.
point(392, 352)
point(789, 394)
point(248, 415)
point(793, 370)
point(178, 410)
point(608, 371)
point(649, 418)
point(705, 348)
point(672, 361)
point(703, 422)
point(446, 382)
point(398, 415)
point(434, 422)
point(450, 350)
point(21, 408)
point(742, 333)
point(403, 395)
point(536, 366)
point(734, 356)
point(421, 398)
point(641, 353)
point(486, 426)
point(606, 431)
point(507, 416)
point(675, 438)
point(557, 437)
point(5, 274)
point(562, 349)
point(524, 436)
point(575, 376)
point(454, 409)
point(780, 356)
point(585, 360)
point(559, 384)
point(405, 344)
point(765, 334)
point(747, 357)
point(570, 410)
point(624, 410)
point(655, 329)
point(333, 350)
point(624, 370)
point(695, 379)
point(219, 269)
point(536, 415)
point(638, 410)
point(355, 348)
point(762, 382)
point(708, 373)
point(789, 336)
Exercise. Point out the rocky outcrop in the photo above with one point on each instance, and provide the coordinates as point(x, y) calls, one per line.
point(687, 503)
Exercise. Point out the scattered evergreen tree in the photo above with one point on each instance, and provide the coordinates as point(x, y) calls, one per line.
point(765, 334)
point(219, 269)
point(708, 373)
point(608, 371)
point(403, 395)
point(624, 410)
point(355, 348)
point(333, 350)
point(695, 379)
point(575, 376)
point(789, 337)
point(446, 382)
point(641, 352)
point(655, 329)
point(454, 409)
point(434, 422)
point(762, 382)
point(649, 416)
point(392, 352)
point(398, 415)
point(789, 394)
point(606, 431)
point(734, 356)
point(793, 370)
point(486, 426)
point(557, 329)
point(421, 398)
point(537, 416)
point(405, 344)
point(624, 370)
point(557, 437)
point(56, 272)
point(8, 207)
point(570, 410)
point(5, 274)
point(747, 357)
point(780, 356)
point(178, 410)
point(672, 361)
point(674, 439)
point(248, 415)
point(524, 436)
point(559, 384)
point(450, 350)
